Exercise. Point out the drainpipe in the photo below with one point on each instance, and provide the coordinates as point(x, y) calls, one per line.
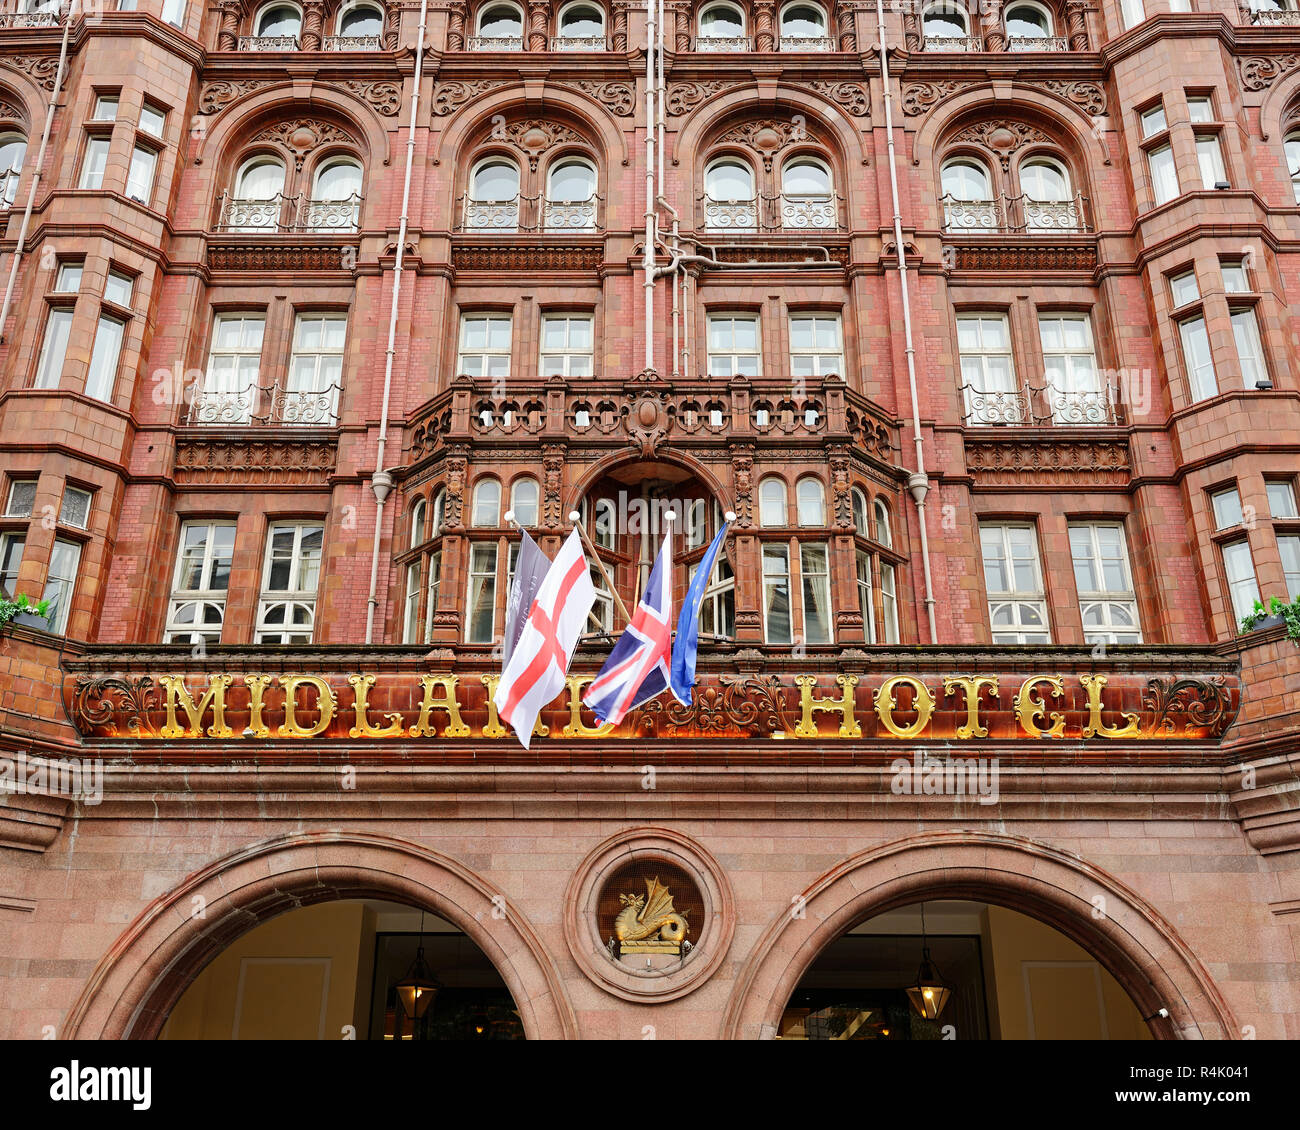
point(36, 172)
point(918, 482)
point(650, 226)
point(381, 482)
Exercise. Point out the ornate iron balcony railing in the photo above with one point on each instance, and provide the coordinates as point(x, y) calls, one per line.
point(265, 406)
point(1023, 406)
point(1037, 43)
point(1095, 407)
point(1015, 215)
point(268, 43)
point(29, 19)
point(961, 43)
point(1274, 17)
point(806, 43)
point(351, 43)
point(529, 214)
point(997, 407)
point(790, 212)
point(579, 43)
point(288, 214)
point(724, 43)
point(8, 189)
point(494, 43)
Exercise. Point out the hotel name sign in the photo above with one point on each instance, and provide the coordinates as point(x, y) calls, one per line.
point(406, 706)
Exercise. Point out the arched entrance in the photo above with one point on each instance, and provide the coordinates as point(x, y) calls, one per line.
point(136, 985)
point(1112, 923)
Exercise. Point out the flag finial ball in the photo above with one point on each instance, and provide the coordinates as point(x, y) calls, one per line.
point(574, 515)
point(670, 515)
point(510, 515)
point(730, 515)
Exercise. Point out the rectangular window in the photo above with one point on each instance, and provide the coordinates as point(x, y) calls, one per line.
point(103, 360)
point(816, 348)
point(1200, 109)
point(865, 605)
point(233, 364)
point(1070, 366)
point(1289, 549)
point(92, 167)
point(118, 288)
point(1227, 508)
point(105, 108)
point(174, 12)
point(60, 581)
point(74, 510)
point(431, 599)
point(68, 278)
point(988, 375)
point(484, 345)
point(1210, 158)
point(1183, 288)
point(198, 602)
point(1196, 355)
point(411, 621)
point(777, 624)
point(11, 557)
point(1017, 604)
point(482, 595)
point(1164, 177)
point(694, 527)
point(139, 179)
point(733, 346)
point(152, 119)
point(1234, 276)
point(53, 349)
point(315, 369)
point(1240, 569)
point(1101, 576)
point(22, 497)
point(718, 609)
point(888, 603)
point(1281, 498)
point(1250, 350)
point(287, 610)
point(567, 344)
point(603, 608)
point(814, 570)
point(1153, 121)
point(1132, 12)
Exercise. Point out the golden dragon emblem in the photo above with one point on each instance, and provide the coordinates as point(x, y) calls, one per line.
point(649, 923)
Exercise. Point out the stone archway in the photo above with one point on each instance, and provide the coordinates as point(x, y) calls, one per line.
point(1124, 933)
point(134, 987)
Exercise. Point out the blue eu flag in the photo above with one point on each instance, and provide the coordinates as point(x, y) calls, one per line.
point(687, 644)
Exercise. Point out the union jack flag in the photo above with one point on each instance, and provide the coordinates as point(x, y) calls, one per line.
point(637, 668)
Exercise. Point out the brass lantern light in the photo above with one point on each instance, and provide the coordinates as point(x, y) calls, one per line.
point(931, 991)
point(419, 987)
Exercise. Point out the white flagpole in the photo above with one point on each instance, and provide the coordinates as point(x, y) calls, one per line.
point(576, 519)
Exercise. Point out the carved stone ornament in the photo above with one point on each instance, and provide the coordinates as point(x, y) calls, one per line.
point(1088, 96)
point(766, 138)
point(1094, 462)
point(216, 96)
point(742, 478)
point(852, 96)
point(299, 136)
point(553, 469)
point(648, 923)
point(42, 69)
point(918, 97)
point(617, 97)
point(1259, 72)
point(527, 257)
point(648, 422)
point(11, 113)
point(683, 97)
point(841, 489)
point(1026, 258)
point(385, 97)
point(454, 507)
point(209, 462)
point(449, 96)
point(1002, 138)
point(267, 256)
point(534, 136)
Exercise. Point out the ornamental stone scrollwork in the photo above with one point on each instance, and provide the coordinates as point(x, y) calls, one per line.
point(268, 256)
point(617, 97)
point(385, 97)
point(299, 136)
point(648, 422)
point(534, 136)
point(1002, 138)
point(116, 704)
point(456, 469)
point(920, 96)
point(1052, 464)
point(1088, 96)
point(683, 97)
point(742, 478)
point(766, 138)
point(1031, 258)
point(852, 96)
point(12, 113)
point(216, 96)
point(1259, 72)
point(449, 96)
point(41, 69)
point(1202, 705)
point(553, 456)
point(203, 461)
point(527, 257)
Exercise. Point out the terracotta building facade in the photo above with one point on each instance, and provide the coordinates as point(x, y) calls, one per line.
point(987, 348)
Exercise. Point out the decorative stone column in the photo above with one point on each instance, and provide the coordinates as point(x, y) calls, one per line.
point(456, 26)
point(1076, 18)
point(911, 31)
point(538, 13)
point(393, 24)
point(618, 26)
point(995, 32)
point(228, 35)
point(765, 38)
point(848, 33)
point(313, 21)
point(681, 25)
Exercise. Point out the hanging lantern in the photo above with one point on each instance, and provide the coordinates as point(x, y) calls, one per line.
point(930, 992)
point(418, 988)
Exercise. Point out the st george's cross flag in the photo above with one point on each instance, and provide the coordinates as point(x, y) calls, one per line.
point(637, 668)
point(540, 660)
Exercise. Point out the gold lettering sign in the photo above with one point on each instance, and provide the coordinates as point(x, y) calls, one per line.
point(174, 685)
point(972, 685)
point(1093, 684)
point(923, 705)
point(1028, 708)
point(807, 728)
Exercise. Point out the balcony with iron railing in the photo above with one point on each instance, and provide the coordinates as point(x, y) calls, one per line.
point(494, 43)
point(268, 43)
point(579, 43)
point(723, 44)
point(264, 406)
point(288, 214)
point(789, 212)
point(963, 44)
point(1037, 43)
point(530, 214)
point(31, 19)
point(1272, 17)
point(807, 43)
point(1015, 215)
point(351, 43)
point(1042, 406)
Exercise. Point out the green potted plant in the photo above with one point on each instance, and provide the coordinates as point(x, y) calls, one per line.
point(1277, 613)
point(23, 611)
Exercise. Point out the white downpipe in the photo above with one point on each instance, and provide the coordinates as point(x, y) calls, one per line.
point(918, 483)
point(36, 172)
point(381, 482)
point(650, 232)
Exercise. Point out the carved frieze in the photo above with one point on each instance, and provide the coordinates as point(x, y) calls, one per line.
point(269, 256)
point(918, 97)
point(852, 96)
point(216, 96)
point(300, 136)
point(617, 97)
point(207, 461)
point(1050, 464)
point(1090, 97)
point(683, 97)
point(526, 257)
point(1003, 138)
point(1025, 258)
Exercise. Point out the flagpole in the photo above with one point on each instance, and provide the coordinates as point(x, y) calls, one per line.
point(591, 612)
point(576, 519)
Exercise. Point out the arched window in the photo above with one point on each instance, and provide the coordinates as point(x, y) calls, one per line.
point(811, 498)
point(1027, 23)
point(729, 199)
point(335, 203)
point(945, 27)
point(860, 513)
point(487, 504)
point(13, 150)
point(493, 200)
point(361, 21)
point(581, 27)
point(803, 26)
point(256, 203)
point(278, 21)
point(1048, 202)
point(501, 22)
point(418, 514)
point(523, 501)
point(771, 502)
point(967, 195)
point(807, 196)
point(602, 530)
point(884, 534)
point(571, 195)
point(1293, 163)
point(722, 28)
point(439, 510)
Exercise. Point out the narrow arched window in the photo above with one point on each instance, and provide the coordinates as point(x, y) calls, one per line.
point(571, 195)
point(581, 27)
point(13, 150)
point(811, 498)
point(256, 203)
point(523, 501)
point(1027, 26)
point(361, 22)
point(1049, 205)
point(278, 21)
point(884, 534)
point(1292, 148)
point(501, 21)
point(771, 502)
point(335, 203)
point(729, 199)
point(487, 504)
point(807, 196)
point(945, 27)
point(419, 512)
point(966, 179)
point(802, 26)
point(967, 196)
point(1042, 178)
point(438, 511)
point(860, 513)
point(493, 200)
point(722, 28)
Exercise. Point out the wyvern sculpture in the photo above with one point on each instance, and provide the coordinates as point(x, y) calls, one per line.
point(649, 923)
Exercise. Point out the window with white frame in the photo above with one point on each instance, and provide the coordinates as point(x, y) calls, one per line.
point(438, 512)
point(60, 580)
point(1292, 150)
point(67, 279)
point(198, 600)
point(139, 177)
point(152, 119)
point(419, 517)
point(816, 348)
point(12, 543)
point(22, 497)
point(778, 624)
point(860, 513)
point(315, 369)
point(1281, 498)
point(603, 527)
point(484, 345)
point(693, 526)
point(1014, 581)
point(1132, 12)
point(1197, 357)
point(234, 361)
point(1226, 505)
point(888, 603)
point(74, 509)
point(1209, 156)
point(865, 604)
point(718, 609)
point(810, 498)
point(1250, 350)
point(432, 585)
point(1152, 120)
point(1235, 280)
point(481, 594)
point(734, 349)
point(102, 375)
point(524, 501)
point(1239, 567)
point(880, 516)
point(94, 163)
point(772, 502)
point(1183, 288)
point(567, 345)
point(814, 572)
point(486, 512)
point(1101, 576)
point(1164, 176)
point(118, 288)
point(988, 374)
point(1288, 548)
point(411, 613)
point(105, 108)
point(290, 574)
point(603, 608)
point(1070, 366)
point(54, 347)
